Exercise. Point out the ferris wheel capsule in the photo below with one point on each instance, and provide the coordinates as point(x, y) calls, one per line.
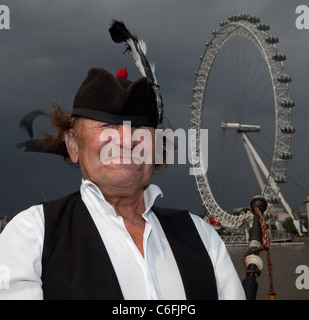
point(263, 27)
point(278, 57)
point(288, 103)
point(284, 78)
point(286, 155)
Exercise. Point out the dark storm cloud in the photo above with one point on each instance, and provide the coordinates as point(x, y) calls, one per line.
point(51, 45)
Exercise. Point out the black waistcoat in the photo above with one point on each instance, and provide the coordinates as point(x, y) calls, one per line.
point(76, 265)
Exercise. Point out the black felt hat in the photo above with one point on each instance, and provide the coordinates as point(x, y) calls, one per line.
point(104, 97)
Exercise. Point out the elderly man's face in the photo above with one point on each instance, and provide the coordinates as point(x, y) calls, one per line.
point(108, 154)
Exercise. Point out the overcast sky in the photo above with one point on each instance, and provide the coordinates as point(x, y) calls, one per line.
point(51, 45)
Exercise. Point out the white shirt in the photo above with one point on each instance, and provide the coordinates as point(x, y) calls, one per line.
point(156, 276)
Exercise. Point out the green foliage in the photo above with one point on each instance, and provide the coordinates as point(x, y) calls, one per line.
point(241, 211)
point(288, 225)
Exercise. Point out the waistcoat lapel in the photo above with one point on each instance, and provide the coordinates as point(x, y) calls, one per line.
point(75, 263)
point(191, 256)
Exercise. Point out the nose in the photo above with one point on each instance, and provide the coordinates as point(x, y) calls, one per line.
point(125, 133)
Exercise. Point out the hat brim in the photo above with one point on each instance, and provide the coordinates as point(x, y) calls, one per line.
point(111, 118)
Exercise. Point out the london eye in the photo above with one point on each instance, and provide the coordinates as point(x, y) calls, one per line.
point(241, 95)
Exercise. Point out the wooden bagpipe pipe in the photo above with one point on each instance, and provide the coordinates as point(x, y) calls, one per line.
point(259, 240)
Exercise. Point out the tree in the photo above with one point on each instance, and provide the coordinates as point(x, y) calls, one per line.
point(288, 225)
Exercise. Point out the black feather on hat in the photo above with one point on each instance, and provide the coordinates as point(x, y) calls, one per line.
point(120, 33)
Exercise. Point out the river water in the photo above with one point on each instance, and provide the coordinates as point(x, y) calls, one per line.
point(285, 259)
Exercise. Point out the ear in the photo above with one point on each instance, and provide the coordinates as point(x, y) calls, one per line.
point(71, 144)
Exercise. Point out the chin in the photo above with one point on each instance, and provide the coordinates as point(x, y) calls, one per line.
point(129, 175)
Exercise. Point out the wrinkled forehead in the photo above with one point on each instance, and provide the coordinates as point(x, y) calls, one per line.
point(82, 124)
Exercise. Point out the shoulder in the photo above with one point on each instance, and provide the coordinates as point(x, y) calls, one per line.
point(21, 246)
point(209, 235)
point(63, 200)
point(173, 218)
point(34, 216)
point(177, 218)
point(169, 212)
point(201, 224)
point(51, 208)
point(27, 222)
point(23, 235)
point(58, 212)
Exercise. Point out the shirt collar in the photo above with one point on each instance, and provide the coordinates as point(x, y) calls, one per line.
point(94, 195)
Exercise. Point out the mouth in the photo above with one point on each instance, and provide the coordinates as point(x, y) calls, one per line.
point(124, 160)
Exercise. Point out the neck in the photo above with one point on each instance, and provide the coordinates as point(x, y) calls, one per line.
point(127, 202)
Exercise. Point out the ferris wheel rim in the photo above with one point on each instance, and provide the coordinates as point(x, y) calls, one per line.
point(282, 141)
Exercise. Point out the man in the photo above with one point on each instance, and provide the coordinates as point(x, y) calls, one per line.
point(109, 241)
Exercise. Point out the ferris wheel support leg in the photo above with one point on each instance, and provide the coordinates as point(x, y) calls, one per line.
point(254, 166)
point(263, 168)
point(255, 155)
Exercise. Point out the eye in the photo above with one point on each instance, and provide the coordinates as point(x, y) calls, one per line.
point(139, 127)
point(107, 125)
